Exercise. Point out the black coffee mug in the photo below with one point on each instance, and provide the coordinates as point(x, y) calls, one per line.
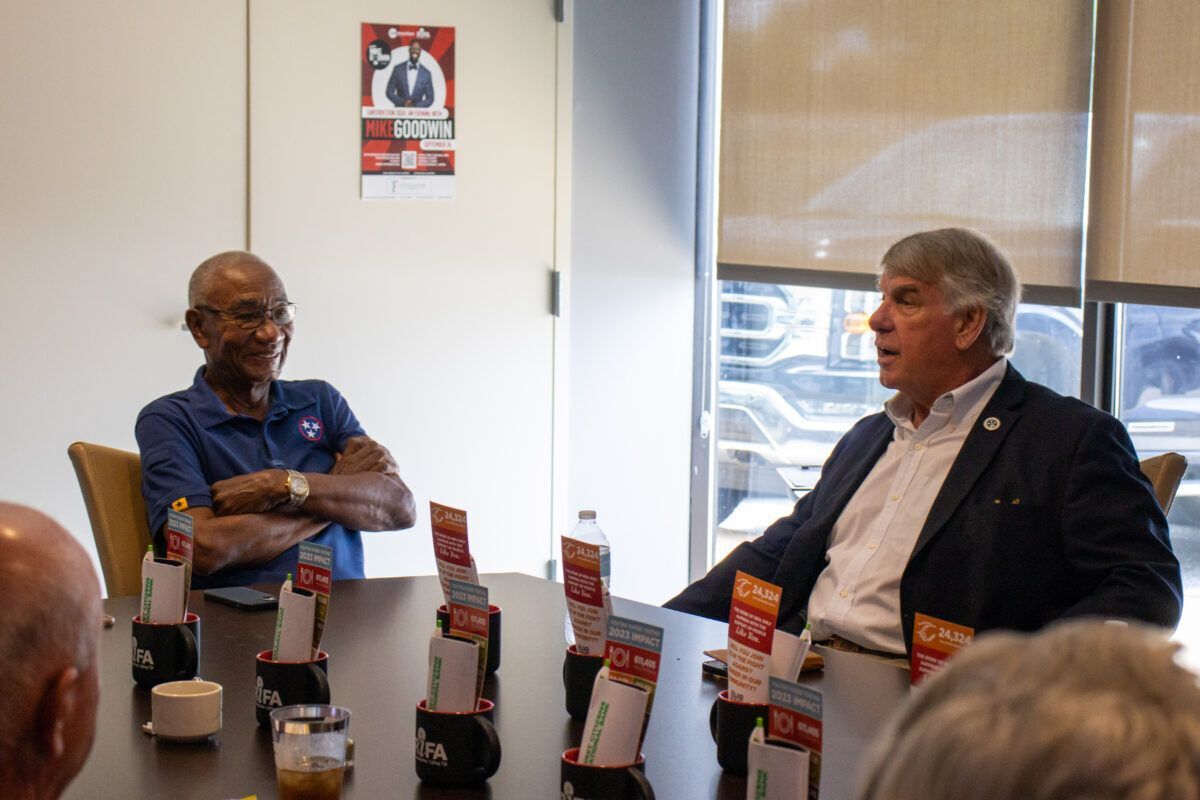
point(579, 676)
point(731, 724)
point(590, 782)
point(164, 653)
point(289, 683)
point(493, 652)
point(456, 748)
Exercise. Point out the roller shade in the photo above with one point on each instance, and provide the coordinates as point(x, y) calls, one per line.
point(847, 125)
point(1144, 224)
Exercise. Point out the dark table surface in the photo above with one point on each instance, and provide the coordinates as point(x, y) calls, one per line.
point(377, 636)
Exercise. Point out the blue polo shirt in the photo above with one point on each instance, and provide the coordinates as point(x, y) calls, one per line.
point(189, 440)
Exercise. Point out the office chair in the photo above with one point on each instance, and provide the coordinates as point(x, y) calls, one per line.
point(111, 482)
point(1165, 473)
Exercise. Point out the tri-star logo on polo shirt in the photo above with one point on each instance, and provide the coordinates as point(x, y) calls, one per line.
point(311, 429)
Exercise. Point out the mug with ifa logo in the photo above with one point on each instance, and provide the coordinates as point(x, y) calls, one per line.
point(456, 748)
point(731, 724)
point(593, 782)
point(289, 683)
point(165, 652)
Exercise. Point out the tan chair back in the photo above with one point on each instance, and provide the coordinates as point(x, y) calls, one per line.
point(1165, 472)
point(111, 482)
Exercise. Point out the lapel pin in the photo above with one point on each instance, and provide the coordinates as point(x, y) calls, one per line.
point(991, 424)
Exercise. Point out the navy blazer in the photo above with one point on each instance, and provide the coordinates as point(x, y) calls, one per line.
point(1046, 516)
point(397, 88)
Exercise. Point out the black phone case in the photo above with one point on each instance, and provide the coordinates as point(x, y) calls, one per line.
point(243, 598)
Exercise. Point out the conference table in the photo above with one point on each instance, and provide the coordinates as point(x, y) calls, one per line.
point(377, 636)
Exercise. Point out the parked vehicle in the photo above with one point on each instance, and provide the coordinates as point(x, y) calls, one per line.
point(798, 368)
point(1160, 393)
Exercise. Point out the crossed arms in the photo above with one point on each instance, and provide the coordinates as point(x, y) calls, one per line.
point(250, 522)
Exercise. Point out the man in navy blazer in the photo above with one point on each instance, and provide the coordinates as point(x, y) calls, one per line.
point(977, 497)
point(411, 84)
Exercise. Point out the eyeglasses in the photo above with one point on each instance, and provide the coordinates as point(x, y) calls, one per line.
point(251, 318)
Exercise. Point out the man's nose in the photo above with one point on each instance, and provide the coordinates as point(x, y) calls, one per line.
point(268, 331)
point(879, 320)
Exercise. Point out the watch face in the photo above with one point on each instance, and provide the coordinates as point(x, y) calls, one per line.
point(297, 488)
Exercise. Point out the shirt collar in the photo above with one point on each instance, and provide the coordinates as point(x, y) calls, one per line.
point(956, 405)
point(211, 411)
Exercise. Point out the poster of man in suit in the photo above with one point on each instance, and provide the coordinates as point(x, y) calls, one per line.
point(408, 120)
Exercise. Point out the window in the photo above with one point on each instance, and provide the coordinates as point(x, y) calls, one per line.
point(1158, 371)
point(797, 369)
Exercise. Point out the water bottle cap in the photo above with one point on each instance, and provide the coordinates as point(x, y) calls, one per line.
point(587, 514)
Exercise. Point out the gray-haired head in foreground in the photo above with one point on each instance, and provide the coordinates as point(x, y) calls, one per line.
point(212, 269)
point(970, 270)
point(1083, 710)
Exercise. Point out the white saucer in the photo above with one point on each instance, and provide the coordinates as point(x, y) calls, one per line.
point(203, 737)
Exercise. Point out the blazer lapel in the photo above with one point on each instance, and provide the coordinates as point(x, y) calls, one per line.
point(980, 447)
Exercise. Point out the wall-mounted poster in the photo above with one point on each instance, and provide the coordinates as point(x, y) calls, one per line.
point(407, 112)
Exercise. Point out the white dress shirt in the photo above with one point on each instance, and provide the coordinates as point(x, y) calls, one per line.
point(857, 595)
point(411, 73)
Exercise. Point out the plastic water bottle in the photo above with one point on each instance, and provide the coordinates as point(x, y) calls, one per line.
point(586, 530)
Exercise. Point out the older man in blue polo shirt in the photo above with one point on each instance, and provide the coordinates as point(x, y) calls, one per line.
point(261, 464)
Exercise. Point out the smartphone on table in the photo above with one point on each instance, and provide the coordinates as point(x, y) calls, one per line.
point(242, 597)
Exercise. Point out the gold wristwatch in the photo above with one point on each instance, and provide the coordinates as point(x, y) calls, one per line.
point(297, 487)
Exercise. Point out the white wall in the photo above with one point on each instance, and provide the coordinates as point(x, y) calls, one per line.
point(432, 318)
point(636, 70)
point(125, 164)
point(122, 167)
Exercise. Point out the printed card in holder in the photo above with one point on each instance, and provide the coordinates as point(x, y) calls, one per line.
point(775, 771)
point(612, 732)
point(585, 595)
point(294, 624)
point(314, 573)
point(752, 614)
point(634, 653)
point(788, 652)
point(469, 620)
point(795, 718)
point(179, 546)
point(451, 549)
point(934, 641)
point(453, 671)
point(162, 590)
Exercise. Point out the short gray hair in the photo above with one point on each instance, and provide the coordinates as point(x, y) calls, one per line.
point(211, 269)
point(970, 270)
point(1081, 710)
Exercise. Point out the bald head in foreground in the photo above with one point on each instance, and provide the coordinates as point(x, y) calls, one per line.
point(1081, 710)
point(49, 633)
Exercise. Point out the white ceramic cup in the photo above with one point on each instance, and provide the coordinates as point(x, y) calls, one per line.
point(186, 711)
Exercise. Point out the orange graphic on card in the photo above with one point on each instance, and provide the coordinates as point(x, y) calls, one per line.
point(581, 554)
point(757, 593)
point(450, 519)
point(934, 641)
point(940, 635)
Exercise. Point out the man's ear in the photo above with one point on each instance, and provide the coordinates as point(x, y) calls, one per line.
point(969, 326)
point(195, 323)
point(56, 710)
